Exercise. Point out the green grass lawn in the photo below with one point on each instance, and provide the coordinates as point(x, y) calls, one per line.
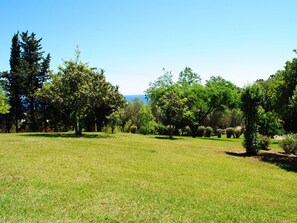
point(135, 178)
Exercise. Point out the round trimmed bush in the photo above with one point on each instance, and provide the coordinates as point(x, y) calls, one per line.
point(289, 144)
point(237, 132)
point(263, 142)
point(187, 130)
point(133, 129)
point(208, 131)
point(200, 131)
point(219, 133)
point(230, 132)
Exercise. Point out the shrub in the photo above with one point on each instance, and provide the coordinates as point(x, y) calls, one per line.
point(230, 132)
point(289, 144)
point(208, 131)
point(200, 131)
point(237, 132)
point(187, 131)
point(219, 133)
point(133, 129)
point(263, 142)
point(127, 126)
point(160, 129)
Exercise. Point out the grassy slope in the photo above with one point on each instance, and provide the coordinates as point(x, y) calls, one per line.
point(126, 177)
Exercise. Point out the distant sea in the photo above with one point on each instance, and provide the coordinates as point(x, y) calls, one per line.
point(140, 96)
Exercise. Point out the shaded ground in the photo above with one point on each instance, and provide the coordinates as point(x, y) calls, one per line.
point(282, 160)
point(65, 135)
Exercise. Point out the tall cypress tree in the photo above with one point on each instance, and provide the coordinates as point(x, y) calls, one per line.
point(36, 69)
point(14, 84)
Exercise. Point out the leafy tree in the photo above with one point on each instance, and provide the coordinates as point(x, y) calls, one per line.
point(188, 77)
point(251, 99)
point(80, 90)
point(268, 122)
point(146, 120)
point(113, 120)
point(4, 106)
point(130, 114)
point(173, 108)
point(217, 94)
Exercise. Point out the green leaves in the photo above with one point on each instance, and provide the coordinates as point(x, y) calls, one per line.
point(4, 106)
point(80, 90)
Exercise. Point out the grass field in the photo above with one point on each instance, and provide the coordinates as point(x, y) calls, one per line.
point(135, 178)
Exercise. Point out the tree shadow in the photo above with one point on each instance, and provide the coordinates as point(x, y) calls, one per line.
point(217, 139)
point(66, 135)
point(166, 138)
point(282, 160)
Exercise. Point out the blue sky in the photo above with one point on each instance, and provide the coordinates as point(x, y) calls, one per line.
point(133, 40)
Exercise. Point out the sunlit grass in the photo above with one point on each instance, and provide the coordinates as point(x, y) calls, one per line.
point(135, 178)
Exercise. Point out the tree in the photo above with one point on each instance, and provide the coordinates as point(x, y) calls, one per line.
point(268, 123)
point(35, 68)
point(146, 120)
point(173, 108)
point(129, 114)
point(188, 77)
point(14, 84)
point(113, 120)
point(80, 91)
point(217, 94)
point(251, 99)
point(4, 106)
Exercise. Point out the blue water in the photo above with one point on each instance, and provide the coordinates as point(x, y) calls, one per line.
point(140, 96)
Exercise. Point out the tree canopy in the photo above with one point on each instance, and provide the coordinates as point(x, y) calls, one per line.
point(79, 90)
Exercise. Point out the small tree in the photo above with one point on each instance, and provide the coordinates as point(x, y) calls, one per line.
point(113, 120)
point(251, 98)
point(80, 90)
point(173, 108)
point(4, 106)
point(146, 120)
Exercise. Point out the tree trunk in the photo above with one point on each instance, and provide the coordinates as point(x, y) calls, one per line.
point(33, 126)
point(171, 129)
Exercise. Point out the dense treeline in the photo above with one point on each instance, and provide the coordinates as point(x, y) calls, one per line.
point(78, 97)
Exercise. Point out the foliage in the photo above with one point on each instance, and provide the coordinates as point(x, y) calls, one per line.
point(130, 113)
point(113, 120)
point(80, 90)
point(269, 124)
point(263, 142)
point(4, 106)
point(187, 77)
point(237, 132)
point(29, 69)
point(251, 98)
point(187, 131)
point(219, 133)
point(201, 131)
point(198, 101)
point(146, 121)
point(289, 144)
point(208, 131)
point(133, 129)
point(172, 107)
point(230, 132)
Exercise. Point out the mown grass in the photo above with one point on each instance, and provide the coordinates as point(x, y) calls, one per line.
point(135, 178)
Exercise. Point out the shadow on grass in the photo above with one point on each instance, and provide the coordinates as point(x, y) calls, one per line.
point(66, 135)
point(284, 161)
point(166, 138)
point(219, 139)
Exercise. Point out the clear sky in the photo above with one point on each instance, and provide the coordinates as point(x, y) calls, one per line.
point(132, 40)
